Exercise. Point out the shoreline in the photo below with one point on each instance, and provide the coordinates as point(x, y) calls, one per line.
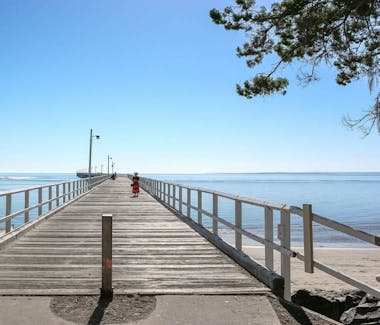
point(362, 264)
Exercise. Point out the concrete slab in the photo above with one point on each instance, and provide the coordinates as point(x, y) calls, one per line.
point(28, 310)
point(176, 309)
point(207, 310)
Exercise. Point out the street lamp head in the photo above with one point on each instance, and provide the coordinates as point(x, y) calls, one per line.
point(97, 137)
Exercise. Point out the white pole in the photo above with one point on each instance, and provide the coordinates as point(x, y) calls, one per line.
point(108, 164)
point(89, 162)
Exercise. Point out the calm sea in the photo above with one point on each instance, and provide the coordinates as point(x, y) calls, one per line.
point(350, 198)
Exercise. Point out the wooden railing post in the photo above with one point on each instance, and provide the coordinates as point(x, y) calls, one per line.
point(269, 237)
point(26, 205)
point(50, 197)
point(174, 189)
point(39, 201)
point(64, 192)
point(68, 191)
point(215, 213)
point(199, 207)
point(106, 290)
point(168, 198)
point(161, 190)
point(285, 259)
point(8, 211)
point(238, 223)
point(188, 203)
point(57, 195)
point(308, 238)
point(180, 199)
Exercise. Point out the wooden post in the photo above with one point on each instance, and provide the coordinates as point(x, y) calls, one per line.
point(215, 213)
point(180, 199)
point(168, 194)
point(8, 211)
point(57, 195)
point(26, 205)
point(69, 191)
point(188, 203)
point(238, 241)
point(308, 238)
point(199, 207)
point(161, 190)
point(269, 237)
point(174, 190)
point(285, 259)
point(106, 290)
point(64, 192)
point(39, 201)
point(50, 197)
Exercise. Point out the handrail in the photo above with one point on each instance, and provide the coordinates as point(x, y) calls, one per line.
point(64, 192)
point(167, 194)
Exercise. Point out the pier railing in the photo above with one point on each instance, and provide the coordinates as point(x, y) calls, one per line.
point(38, 201)
point(179, 198)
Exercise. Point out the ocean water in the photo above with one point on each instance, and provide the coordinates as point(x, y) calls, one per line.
point(349, 198)
point(15, 181)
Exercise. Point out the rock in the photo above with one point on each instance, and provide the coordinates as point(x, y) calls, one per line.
point(351, 306)
point(324, 303)
point(367, 313)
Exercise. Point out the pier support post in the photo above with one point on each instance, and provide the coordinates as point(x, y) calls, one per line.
point(106, 290)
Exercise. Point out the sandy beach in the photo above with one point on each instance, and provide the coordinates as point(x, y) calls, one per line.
point(363, 264)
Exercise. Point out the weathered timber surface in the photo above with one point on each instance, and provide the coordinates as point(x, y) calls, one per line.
point(153, 251)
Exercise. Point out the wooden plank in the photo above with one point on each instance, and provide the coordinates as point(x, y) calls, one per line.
point(153, 251)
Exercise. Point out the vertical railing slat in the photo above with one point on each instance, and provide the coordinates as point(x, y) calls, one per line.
point(215, 213)
point(174, 195)
point(285, 259)
point(269, 237)
point(57, 195)
point(39, 201)
point(188, 203)
point(64, 192)
point(199, 207)
point(50, 197)
point(26, 206)
point(180, 199)
point(8, 211)
point(238, 224)
point(308, 238)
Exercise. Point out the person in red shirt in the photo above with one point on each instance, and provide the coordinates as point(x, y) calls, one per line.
point(135, 185)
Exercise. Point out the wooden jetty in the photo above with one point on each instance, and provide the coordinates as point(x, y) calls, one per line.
point(154, 252)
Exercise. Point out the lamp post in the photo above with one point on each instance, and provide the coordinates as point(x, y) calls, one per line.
point(89, 160)
point(108, 164)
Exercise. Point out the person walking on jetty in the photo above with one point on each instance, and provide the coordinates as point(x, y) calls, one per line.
point(135, 185)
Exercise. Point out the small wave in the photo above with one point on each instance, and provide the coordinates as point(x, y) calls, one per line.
point(15, 178)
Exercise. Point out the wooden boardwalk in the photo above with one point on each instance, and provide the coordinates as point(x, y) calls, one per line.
point(153, 252)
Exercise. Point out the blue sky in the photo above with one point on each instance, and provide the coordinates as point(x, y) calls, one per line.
point(156, 80)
